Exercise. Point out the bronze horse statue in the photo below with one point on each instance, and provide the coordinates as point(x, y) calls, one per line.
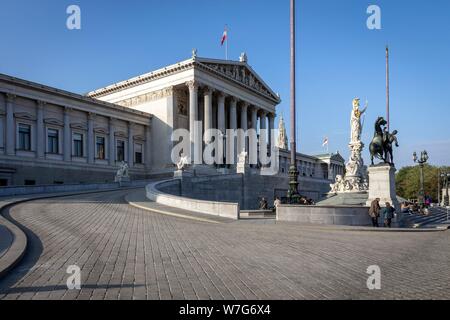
point(381, 145)
point(377, 148)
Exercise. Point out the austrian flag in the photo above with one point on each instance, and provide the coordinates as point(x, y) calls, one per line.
point(224, 37)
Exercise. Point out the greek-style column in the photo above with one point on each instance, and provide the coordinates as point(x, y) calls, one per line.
point(148, 147)
point(231, 154)
point(242, 139)
point(111, 144)
point(193, 107)
point(90, 138)
point(40, 137)
point(263, 120)
point(221, 118)
point(208, 112)
point(10, 125)
point(67, 136)
point(262, 126)
point(271, 117)
point(253, 139)
point(130, 145)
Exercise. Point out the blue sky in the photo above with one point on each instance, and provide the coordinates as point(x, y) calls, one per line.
point(338, 57)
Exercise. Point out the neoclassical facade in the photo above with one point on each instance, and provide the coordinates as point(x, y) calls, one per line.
point(50, 136)
point(222, 94)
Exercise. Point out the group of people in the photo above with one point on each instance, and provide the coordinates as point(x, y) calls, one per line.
point(263, 204)
point(414, 208)
point(387, 213)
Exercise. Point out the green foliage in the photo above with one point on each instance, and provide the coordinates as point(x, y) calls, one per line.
point(408, 181)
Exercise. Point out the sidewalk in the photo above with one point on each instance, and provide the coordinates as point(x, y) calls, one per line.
point(13, 241)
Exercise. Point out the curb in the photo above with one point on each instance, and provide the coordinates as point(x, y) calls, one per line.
point(167, 213)
point(17, 250)
point(365, 229)
point(18, 247)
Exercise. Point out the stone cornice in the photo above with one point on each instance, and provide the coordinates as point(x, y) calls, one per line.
point(148, 97)
point(145, 78)
point(255, 84)
point(61, 93)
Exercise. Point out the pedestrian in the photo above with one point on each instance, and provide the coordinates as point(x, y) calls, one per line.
point(263, 204)
point(374, 211)
point(388, 214)
point(276, 203)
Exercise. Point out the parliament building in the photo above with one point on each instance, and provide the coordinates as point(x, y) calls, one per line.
point(51, 136)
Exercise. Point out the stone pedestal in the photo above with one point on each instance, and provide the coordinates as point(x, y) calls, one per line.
point(182, 174)
point(382, 185)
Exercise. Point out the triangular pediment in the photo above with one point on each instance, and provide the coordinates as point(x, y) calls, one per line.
point(337, 157)
point(240, 72)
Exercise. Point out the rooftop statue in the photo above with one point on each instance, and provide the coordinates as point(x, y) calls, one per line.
point(282, 141)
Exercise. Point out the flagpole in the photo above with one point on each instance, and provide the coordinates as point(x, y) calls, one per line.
point(387, 87)
point(226, 46)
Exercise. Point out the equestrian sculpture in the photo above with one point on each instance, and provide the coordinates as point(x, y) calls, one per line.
point(381, 145)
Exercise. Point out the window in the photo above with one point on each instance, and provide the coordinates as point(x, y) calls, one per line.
point(30, 182)
point(24, 137)
point(78, 145)
point(120, 150)
point(100, 141)
point(52, 141)
point(3, 182)
point(138, 153)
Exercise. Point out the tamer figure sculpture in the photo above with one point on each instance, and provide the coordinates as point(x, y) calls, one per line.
point(381, 145)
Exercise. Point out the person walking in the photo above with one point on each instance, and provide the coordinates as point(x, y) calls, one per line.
point(388, 213)
point(374, 211)
point(276, 203)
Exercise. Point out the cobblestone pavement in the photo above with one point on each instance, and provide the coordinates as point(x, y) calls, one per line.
point(128, 253)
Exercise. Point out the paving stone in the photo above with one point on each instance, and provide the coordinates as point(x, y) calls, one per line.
point(128, 253)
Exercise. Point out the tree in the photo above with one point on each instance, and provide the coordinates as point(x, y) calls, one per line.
point(408, 181)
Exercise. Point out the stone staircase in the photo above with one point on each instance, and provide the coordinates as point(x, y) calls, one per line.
point(437, 216)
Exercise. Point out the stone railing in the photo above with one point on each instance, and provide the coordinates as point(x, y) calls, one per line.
point(24, 190)
point(222, 209)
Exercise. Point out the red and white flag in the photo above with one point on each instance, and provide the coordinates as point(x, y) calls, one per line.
point(224, 37)
point(325, 142)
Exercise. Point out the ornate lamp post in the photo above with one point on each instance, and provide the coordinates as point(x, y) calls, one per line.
point(445, 177)
point(293, 195)
point(423, 159)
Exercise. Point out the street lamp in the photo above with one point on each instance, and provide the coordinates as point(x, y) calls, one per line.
point(445, 177)
point(293, 194)
point(421, 161)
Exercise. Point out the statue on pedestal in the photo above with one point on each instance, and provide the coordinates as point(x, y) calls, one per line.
point(122, 173)
point(183, 162)
point(381, 145)
point(355, 121)
point(355, 179)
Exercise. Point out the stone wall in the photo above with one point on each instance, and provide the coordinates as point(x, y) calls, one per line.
point(218, 208)
point(246, 189)
point(325, 215)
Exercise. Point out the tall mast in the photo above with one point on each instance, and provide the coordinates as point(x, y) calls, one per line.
point(387, 87)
